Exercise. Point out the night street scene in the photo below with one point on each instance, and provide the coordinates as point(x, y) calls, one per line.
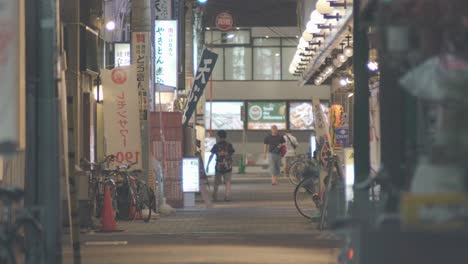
point(233, 131)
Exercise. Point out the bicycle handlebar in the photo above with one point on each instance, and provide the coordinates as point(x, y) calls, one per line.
point(127, 166)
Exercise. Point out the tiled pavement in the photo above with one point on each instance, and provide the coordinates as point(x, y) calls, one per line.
point(257, 207)
point(259, 226)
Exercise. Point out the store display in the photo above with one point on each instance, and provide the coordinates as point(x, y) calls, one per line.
point(263, 115)
point(301, 116)
point(225, 115)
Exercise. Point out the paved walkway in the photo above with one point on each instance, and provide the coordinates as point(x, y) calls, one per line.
point(259, 225)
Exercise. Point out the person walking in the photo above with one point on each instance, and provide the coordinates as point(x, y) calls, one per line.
point(291, 145)
point(223, 151)
point(203, 177)
point(272, 146)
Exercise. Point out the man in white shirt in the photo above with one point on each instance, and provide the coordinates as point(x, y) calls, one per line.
point(291, 145)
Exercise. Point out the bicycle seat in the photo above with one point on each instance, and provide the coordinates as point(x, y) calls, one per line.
point(11, 193)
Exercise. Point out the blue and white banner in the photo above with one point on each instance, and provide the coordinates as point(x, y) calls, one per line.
point(202, 76)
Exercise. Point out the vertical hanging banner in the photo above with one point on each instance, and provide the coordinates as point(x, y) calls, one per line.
point(121, 122)
point(322, 135)
point(165, 74)
point(322, 131)
point(9, 74)
point(162, 9)
point(202, 76)
point(141, 54)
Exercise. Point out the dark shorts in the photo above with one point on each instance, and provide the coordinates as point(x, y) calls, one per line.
point(220, 176)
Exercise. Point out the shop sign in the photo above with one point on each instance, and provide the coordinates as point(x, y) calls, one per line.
point(9, 72)
point(202, 76)
point(165, 74)
point(121, 54)
point(162, 9)
point(224, 21)
point(141, 53)
point(121, 122)
point(263, 115)
point(342, 137)
point(190, 175)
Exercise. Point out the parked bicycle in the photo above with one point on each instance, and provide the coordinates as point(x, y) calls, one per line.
point(308, 200)
point(21, 235)
point(333, 181)
point(135, 197)
point(307, 192)
point(100, 177)
point(297, 168)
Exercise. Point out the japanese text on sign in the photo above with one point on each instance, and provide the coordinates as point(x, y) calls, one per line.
point(121, 123)
point(166, 54)
point(141, 53)
point(162, 9)
point(205, 68)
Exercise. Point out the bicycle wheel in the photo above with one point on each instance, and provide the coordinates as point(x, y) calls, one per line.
point(306, 198)
point(295, 171)
point(144, 201)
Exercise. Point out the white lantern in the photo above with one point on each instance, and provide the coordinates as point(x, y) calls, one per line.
point(342, 58)
point(317, 82)
point(348, 51)
point(307, 36)
point(329, 69)
point(337, 63)
point(303, 43)
point(311, 27)
point(317, 18)
point(323, 7)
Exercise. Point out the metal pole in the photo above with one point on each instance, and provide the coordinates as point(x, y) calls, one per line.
point(361, 107)
point(141, 22)
point(43, 181)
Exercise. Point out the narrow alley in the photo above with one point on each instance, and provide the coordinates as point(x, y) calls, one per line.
point(259, 225)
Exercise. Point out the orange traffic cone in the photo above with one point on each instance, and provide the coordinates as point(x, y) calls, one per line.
point(108, 216)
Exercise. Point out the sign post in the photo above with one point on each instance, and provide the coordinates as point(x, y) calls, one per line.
point(190, 180)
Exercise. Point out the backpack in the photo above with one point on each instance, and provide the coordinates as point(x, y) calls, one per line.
point(224, 157)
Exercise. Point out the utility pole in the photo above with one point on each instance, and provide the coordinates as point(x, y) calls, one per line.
point(361, 109)
point(141, 56)
point(42, 180)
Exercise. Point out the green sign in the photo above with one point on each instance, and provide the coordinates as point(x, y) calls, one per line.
point(263, 115)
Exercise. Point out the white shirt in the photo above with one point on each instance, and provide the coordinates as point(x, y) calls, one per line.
point(290, 140)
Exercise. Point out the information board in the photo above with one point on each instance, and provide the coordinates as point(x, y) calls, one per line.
point(190, 175)
point(263, 115)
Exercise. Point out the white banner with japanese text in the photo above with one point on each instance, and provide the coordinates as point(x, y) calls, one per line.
point(141, 54)
point(121, 112)
point(166, 54)
point(9, 76)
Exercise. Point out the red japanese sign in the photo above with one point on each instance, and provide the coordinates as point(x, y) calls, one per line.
point(224, 21)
